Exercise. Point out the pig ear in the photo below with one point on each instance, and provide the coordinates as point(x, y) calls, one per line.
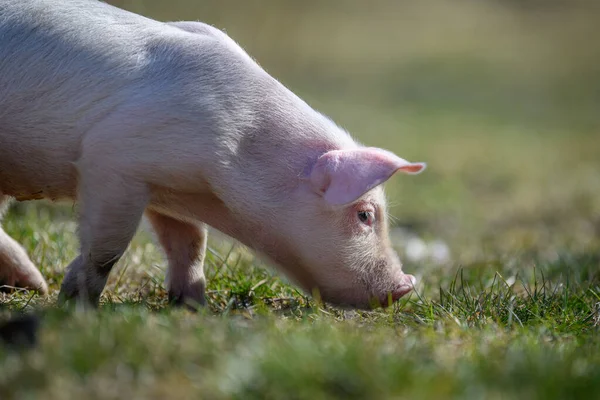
point(343, 176)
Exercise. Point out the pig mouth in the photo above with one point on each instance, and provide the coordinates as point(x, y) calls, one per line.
point(391, 296)
point(386, 301)
point(371, 299)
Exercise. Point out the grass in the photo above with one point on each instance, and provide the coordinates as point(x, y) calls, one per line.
point(507, 121)
point(493, 329)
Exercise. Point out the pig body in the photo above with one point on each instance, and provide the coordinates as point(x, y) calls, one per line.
point(131, 116)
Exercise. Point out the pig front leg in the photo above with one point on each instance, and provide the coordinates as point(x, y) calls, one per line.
point(15, 267)
point(111, 208)
point(185, 247)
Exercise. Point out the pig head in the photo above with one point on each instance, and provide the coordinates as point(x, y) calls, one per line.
point(328, 225)
point(132, 117)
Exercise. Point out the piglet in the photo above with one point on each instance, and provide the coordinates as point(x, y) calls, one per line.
point(130, 117)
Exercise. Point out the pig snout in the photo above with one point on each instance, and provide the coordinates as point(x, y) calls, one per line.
point(405, 284)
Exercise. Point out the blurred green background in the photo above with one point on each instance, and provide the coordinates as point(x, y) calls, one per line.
point(500, 98)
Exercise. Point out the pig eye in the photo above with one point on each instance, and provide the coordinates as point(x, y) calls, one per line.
point(366, 217)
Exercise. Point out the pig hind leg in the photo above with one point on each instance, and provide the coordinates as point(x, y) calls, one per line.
point(185, 247)
point(16, 269)
point(111, 208)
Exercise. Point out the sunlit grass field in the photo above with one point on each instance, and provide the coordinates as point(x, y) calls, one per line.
point(500, 98)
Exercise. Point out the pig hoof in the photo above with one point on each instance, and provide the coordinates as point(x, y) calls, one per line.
point(38, 285)
point(68, 291)
point(192, 303)
point(31, 279)
point(9, 287)
point(188, 294)
point(65, 299)
point(73, 299)
point(70, 297)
